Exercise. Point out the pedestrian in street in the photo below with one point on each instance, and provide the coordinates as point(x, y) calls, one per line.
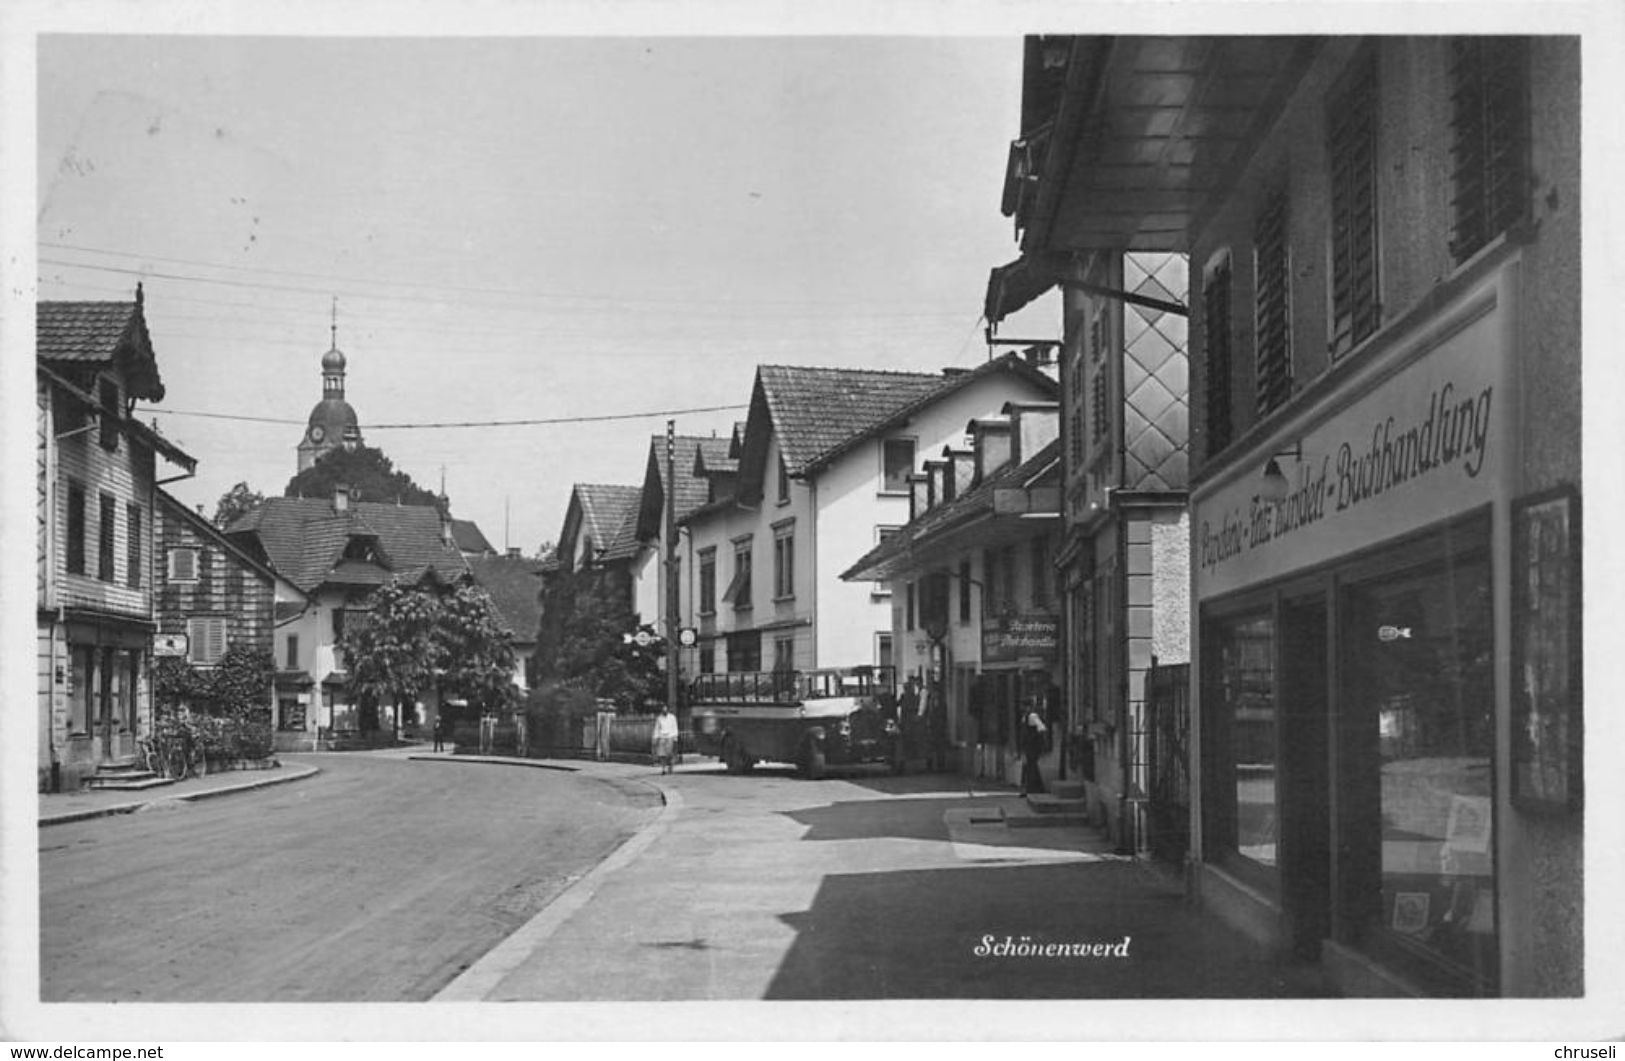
point(1032, 747)
point(665, 738)
point(440, 733)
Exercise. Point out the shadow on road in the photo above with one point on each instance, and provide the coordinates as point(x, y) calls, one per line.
point(915, 819)
point(916, 934)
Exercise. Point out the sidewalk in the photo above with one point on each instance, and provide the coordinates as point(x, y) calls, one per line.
point(872, 887)
point(62, 807)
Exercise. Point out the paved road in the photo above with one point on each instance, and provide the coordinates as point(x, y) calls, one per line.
point(377, 880)
point(867, 887)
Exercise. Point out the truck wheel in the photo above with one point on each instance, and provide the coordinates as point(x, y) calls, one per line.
point(812, 761)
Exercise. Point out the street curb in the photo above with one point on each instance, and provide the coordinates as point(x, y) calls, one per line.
point(480, 979)
point(190, 797)
point(492, 760)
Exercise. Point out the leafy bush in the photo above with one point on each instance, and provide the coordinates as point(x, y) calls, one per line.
point(221, 709)
point(555, 713)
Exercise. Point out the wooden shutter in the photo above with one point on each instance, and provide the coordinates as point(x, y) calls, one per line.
point(183, 565)
point(1272, 331)
point(1489, 127)
point(1351, 123)
point(132, 520)
point(1216, 336)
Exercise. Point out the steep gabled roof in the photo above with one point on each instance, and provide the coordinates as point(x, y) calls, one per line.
point(692, 490)
point(304, 540)
point(469, 538)
point(515, 586)
point(818, 414)
point(96, 334)
point(607, 514)
point(207, 530)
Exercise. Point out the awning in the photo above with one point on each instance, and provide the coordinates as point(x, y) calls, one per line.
point(740, 584)
point(336, 680)
point(1012, 286)
point(296, 679)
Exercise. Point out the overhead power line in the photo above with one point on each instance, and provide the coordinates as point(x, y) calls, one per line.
point(457, 423)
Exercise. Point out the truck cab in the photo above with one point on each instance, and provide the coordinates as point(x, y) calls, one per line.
point(810, 719)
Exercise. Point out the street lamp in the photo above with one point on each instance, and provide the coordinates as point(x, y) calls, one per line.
point(1276, 486)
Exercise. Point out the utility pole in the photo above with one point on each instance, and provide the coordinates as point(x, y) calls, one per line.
point(671, 565)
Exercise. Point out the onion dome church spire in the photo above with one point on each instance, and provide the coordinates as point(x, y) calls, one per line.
point(332, 422)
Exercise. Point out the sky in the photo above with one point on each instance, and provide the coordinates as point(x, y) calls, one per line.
point(521, 229)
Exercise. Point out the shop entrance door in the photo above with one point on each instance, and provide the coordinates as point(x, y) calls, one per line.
point(1305, 798)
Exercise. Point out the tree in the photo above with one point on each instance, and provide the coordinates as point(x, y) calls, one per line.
point(370, 475)
point(236, 503)
point(391, 655)
point(429, 637)
point(582, 640)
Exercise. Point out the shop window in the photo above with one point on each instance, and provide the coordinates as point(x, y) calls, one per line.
point(1417, 829)
point(1489, 127)
point(883, 651)
point(76, 529)
point(990, 580)
point(1216, 337)
point(1041, 574)
point(745, 651)
point(1272, 316)
point(1239, 709)
point(964, 591)
point(784, 653)
point(1351, 124)
point(81, 697)
point(708, 660)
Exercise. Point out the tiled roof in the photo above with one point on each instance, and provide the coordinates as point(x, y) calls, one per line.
point(304, 539)
point(692, 491)
point(814, 410)
point(515, 586)
point(609, 515)
point(715, 455)
point(469, 538)
point(818, 414)
point(95, 333)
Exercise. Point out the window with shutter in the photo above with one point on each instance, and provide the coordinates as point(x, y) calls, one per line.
point(183, 565)
point(207, 637)
point(1099, 406)
point(76, 529)
point(1216, 320)
point(104, 543)
point(1489, 125)
point(1272, 327)
point(132, 521)
point(1351, 123)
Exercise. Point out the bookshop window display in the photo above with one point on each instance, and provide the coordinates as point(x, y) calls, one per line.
point(1416, 761)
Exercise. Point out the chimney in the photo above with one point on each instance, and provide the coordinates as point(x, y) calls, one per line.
point(937, 473)
point(919, 495)
point(961, 470)
point(991, 441)
point(341, 497)
point(1034, 425)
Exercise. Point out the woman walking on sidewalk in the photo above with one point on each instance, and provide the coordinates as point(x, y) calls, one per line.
point(665, 738)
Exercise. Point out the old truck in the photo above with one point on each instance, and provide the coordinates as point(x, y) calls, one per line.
point(810, 719)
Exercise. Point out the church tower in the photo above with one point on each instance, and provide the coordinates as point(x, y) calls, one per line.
point(332, 421)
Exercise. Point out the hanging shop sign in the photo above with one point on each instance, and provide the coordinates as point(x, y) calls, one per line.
point(1008, 638)
point(1426, 442)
